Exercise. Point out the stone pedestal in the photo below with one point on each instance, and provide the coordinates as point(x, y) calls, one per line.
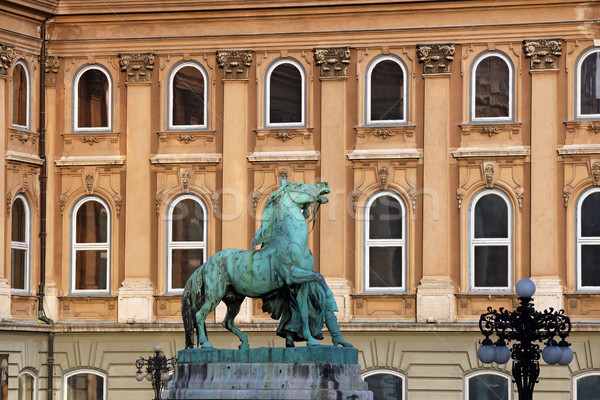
point(320, 372)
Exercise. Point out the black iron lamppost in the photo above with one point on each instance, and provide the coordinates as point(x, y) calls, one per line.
point(158, 370)
point(525, 326)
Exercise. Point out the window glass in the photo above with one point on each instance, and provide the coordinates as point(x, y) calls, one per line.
point(19, 245)
point(491, 266)
point(588, 388)
point(385, 386)
point(91, 269)
point(488, 387)
point(385, 218)
point(387, 91)
point(590, 84)
point(20, 95)
point(588, 241)
point(185, 261)
point(188, 97)
point(492, 88)
point(85, 387)
point(92, 99)
point(18, 221)
point(285, 94)
point(491, 217)
point(26, 387)
point(188, 221)
point(385, 266)
point(18, 268)
point(92, 220)
point(590, 215)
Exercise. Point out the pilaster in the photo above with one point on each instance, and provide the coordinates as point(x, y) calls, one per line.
point(135, 294)
point(435, 293)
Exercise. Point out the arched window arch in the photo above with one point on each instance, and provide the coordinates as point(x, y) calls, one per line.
point(187, 97)
point(20, 245)
point(385, 243)
point(85, 383)
point(588, 240)
point(490, 241)
point(492, 93)
point(585, 385)
point(187, 222)
point(21, 96)
point(488, 385)
point(285, 94)
point(90, 249)
point(92, 99)
point(588, 84)
point(386, 384)
point(386, 91)
point(27, 385)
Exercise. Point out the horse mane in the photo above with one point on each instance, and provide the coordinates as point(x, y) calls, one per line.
point(265, 232)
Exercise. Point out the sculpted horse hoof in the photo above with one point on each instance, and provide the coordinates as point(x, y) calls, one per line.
point(207, 345)
point(244, 346)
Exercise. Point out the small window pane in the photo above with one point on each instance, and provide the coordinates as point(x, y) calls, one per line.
point(285, 97)
point(491, 266)
point(90, 267)
point(188, 97)
point(492, 88)
point(590, 84)
point(385, 386)
point(590, 265)
point(385, 218)
point(590, 215)
point(85, 387)
point(26, 389)
point(488, 387)
point(92, 223)
point(184, 262)
point(385, 266)
point(20, 96)
point(18, 221)
point(92, 100)
point(188, 221)
point(491, 217)
point(387, 89)
point(588, 388)
point(18, 265)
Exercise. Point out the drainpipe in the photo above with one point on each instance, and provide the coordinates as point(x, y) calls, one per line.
point(43, 195)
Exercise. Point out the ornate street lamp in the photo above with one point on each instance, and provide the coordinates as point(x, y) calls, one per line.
point(158, 370)
point(525, 326)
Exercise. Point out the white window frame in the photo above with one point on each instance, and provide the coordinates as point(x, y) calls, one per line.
point(172, 245)
point(580, 241)
point(76, 127)
point(368, 243)
point(80, 371)
point(389, 372)
point(23, 245)
point(272, 67)
point(511, 90)
point(474, 242)
point(171, 103)
point(582, 58)
point(29, 372)
point(370, 69)
point(27, 127)
point(90, 246)
point(471, 375)
point(581, 375)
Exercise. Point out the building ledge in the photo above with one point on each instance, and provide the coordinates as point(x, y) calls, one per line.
point(194, 158)
point(509, 151)
point(384, 154)
point(578, 149)
point(23, 157)
point(301, 155)
point(89, 160)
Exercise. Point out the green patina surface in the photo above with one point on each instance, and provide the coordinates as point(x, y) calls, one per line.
point(319, 354)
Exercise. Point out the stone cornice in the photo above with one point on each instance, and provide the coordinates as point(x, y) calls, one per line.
point(543, 53)
point(235, 64)
point(333, 62)
point(6, 58)
point(436, 58)
point(137, 67)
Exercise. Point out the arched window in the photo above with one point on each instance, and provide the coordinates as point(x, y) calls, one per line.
point(84, 384)
point(90, 257)
point(20, 245)
point(488, 386)
point(588, 84)
point(92, 99)
point(28, 385)
point(588, 240)
point(386, 91)
point(285, 94)
point(385, 239)
point(187, 97)
point(186, 233)
point(386, 385)
point(490, 237)
point(585, 386)
point(492, 91)
point(21, 96)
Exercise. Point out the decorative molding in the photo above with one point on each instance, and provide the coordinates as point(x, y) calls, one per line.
point(214, 200)
point(300, 155)
point(488, 174)
point(186, 138)
point(544, 53)
point(489, 130)
point(51, 69)
point(137, 67)
point(8, 202)
point(282, 135)
point(118, 203)
point(235, 64)
point(460, 195)
point(567, 192)
point(383, 177)
point(89, 182)
point(520, 192)
point(185, 180)
point(256, 195)
point(333, 61)
point(593, 127)
point(158, 202)
point(7, 54)
point(63, 202)
point(436, 58)
point(412, 195)
point(385, 133)
point(356, 193)
point(595, 172)
point(22, 137)
point(91, 140)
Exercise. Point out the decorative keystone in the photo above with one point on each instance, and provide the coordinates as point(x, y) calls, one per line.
point(333, 61)
point(235, 64)
point(137, 67)
point(6, 58)
point(543, 53)
point(436, 58)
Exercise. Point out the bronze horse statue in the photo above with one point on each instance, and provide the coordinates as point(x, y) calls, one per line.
point(281, 273)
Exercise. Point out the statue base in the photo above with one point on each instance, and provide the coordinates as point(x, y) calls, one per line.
point(299, 373)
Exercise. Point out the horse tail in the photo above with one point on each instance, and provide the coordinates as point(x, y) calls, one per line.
point(188, 307)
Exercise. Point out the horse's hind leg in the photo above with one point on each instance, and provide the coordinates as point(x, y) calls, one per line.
point(233, 309)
